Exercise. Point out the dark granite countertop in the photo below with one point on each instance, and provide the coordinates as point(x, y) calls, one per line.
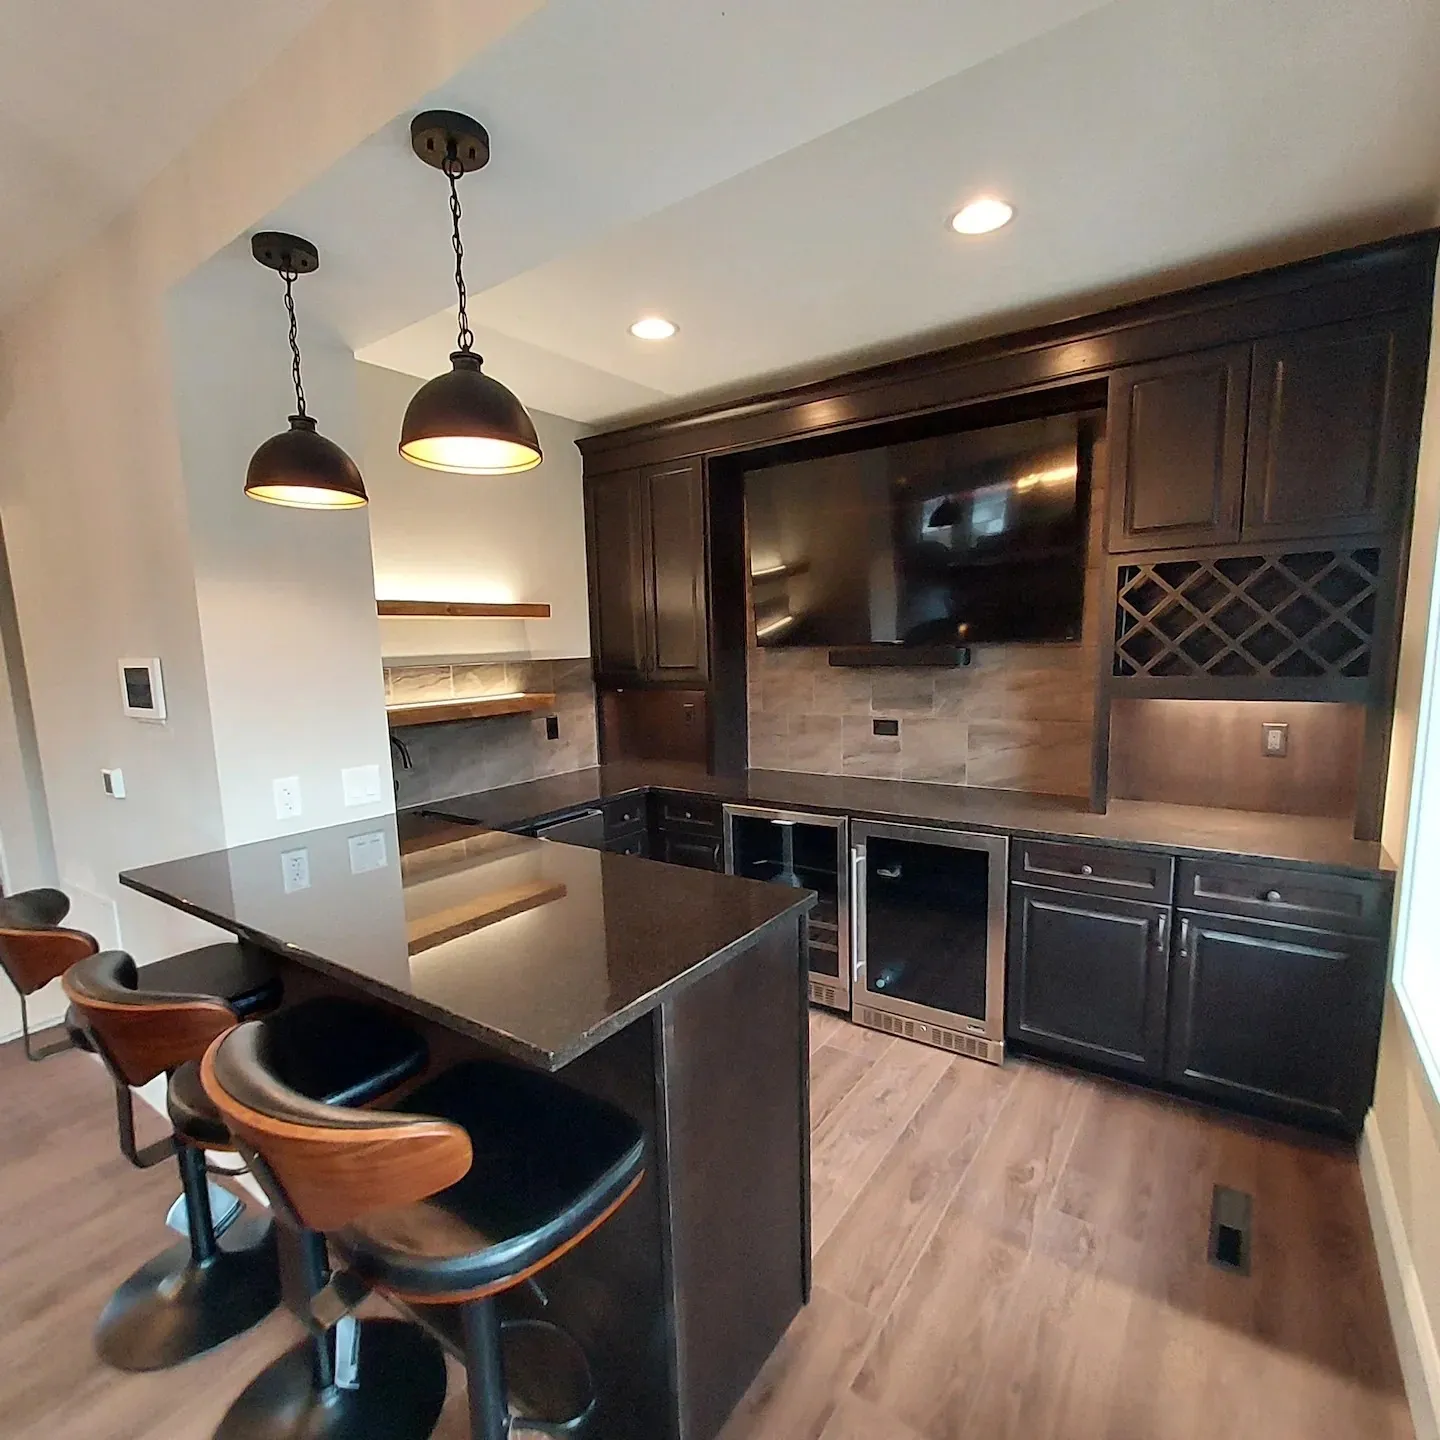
point(540, 950)
point(1175, 829)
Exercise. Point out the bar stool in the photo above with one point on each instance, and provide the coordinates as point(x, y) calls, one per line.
point(478, 1181)
point(198, 1294)
point(34, 950)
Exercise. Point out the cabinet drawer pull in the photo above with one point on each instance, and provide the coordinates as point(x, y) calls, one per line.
point(1184, 939)
point(1162, 932)
point(1273, 896)
point(1087, 869)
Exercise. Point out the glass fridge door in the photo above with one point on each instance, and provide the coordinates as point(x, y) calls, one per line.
point(932, 924)
point(804, 854)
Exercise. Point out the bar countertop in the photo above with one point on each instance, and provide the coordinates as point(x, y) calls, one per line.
point(540, 950)
point(1175, 829)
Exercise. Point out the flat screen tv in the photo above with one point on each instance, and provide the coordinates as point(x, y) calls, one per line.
point(954, 539)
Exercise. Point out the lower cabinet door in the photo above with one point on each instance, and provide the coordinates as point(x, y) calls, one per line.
point(1276, 1018)
point(1087, 977)
point(699, 852)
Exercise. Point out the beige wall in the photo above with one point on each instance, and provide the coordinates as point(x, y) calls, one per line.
point(93, 495)
point(1402, 1145)
point(513, 538)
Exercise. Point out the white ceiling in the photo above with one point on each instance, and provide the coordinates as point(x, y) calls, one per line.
point(777, 180)
point(97, 95)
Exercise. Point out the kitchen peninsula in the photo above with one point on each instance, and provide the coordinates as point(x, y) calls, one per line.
point(676, 994)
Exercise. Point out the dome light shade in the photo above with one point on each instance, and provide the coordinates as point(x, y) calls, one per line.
point(468, 423)
point(301, 468)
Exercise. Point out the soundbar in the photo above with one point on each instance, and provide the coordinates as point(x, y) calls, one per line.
point(859, 657)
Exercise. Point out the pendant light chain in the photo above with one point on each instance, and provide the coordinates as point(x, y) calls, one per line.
point(453, 171)
point(289, 277)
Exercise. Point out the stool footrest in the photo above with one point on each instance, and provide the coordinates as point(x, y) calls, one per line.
point(343, 1292)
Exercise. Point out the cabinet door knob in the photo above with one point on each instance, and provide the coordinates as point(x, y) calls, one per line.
point(1273, 896)
point(1087, 869)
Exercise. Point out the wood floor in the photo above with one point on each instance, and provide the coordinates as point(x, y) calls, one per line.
point(999, 1253)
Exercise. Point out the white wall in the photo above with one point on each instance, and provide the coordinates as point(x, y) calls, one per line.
point(465, 537)
point(93, 498)
point(285, 596)
point(1401, 1151)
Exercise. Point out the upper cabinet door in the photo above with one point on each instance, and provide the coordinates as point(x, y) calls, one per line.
point(1332, 421)
point(617, 574)
point(1177, 463)
point(1178, 451)
point(676, 495)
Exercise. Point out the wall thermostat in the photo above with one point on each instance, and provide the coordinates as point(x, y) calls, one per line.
point(142, 693)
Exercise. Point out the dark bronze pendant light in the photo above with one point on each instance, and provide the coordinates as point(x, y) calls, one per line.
point(299, 467)
point(466, 421)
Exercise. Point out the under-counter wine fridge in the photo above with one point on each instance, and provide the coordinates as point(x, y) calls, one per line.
point(808, 851)
point(929, 935)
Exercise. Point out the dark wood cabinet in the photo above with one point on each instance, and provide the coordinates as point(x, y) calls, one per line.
point(1177, 445)
point(698, 851)
point(616, 514)
point(687, 830)
point(1087, 977)
point(1332, 411)
point(647, 564)
point(1276, 1018)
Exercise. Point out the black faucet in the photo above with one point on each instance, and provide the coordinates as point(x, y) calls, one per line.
point(403, 751)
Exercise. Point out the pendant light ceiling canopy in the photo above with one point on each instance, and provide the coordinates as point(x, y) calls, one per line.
point(299, 467)
point(466, 421)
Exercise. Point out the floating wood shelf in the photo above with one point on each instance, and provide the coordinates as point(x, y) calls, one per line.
point(437, 712)
point(457, 609)
point(426, 931)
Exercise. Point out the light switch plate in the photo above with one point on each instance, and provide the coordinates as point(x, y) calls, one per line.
point(367, 852)
point(361, 784)
point(1274, 739)
point(287, 797)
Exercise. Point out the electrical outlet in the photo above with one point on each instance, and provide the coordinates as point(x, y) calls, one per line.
point(885, 727)
point(295, 870)
point(114, 783)
point(287, 797)
point(552, 727)
point(1274, 739)
point(361, 784)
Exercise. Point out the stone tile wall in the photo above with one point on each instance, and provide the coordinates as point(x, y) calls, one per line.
point(470, 755)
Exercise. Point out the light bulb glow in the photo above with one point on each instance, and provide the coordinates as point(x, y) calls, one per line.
point(653, 327)
point(981, 216)
point(305, 497)
point(470, 454)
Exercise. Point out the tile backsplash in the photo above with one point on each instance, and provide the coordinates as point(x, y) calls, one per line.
point(1019, 717)
point(470, 755)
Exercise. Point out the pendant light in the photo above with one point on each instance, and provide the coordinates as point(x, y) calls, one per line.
point(299, 467)
point(466, 421)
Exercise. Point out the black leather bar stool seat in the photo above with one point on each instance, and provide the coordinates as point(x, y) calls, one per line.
point(193, 1114)
point(476, 1182)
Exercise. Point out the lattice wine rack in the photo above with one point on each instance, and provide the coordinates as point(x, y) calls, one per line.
point(1307, 615)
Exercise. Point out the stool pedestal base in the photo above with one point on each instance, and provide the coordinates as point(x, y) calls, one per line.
point(173, 1309)
point(400, 1395)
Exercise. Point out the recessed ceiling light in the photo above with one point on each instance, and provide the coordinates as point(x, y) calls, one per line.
point(981, 216)
point(652, 327)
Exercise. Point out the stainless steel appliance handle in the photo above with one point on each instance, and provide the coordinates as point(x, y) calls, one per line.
point(857, 911)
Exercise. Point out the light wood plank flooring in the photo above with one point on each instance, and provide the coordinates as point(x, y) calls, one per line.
point(999, 1253)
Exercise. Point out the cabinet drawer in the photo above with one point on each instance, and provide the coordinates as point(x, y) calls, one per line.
point(631, 842)
point(626, 812)
point(1354, 904)
point(1096, 869)
point(687, 812)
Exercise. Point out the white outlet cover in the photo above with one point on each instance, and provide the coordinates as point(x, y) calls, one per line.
point(361, 784)
point(295, 870)
point(287, 797)
point(367, 852)
point(114, 783)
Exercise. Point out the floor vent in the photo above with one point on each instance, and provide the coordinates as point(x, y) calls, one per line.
point(954, 1040)
point(1230, 1230)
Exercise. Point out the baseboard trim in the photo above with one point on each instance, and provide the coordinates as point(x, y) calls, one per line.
point(1409, 1318)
